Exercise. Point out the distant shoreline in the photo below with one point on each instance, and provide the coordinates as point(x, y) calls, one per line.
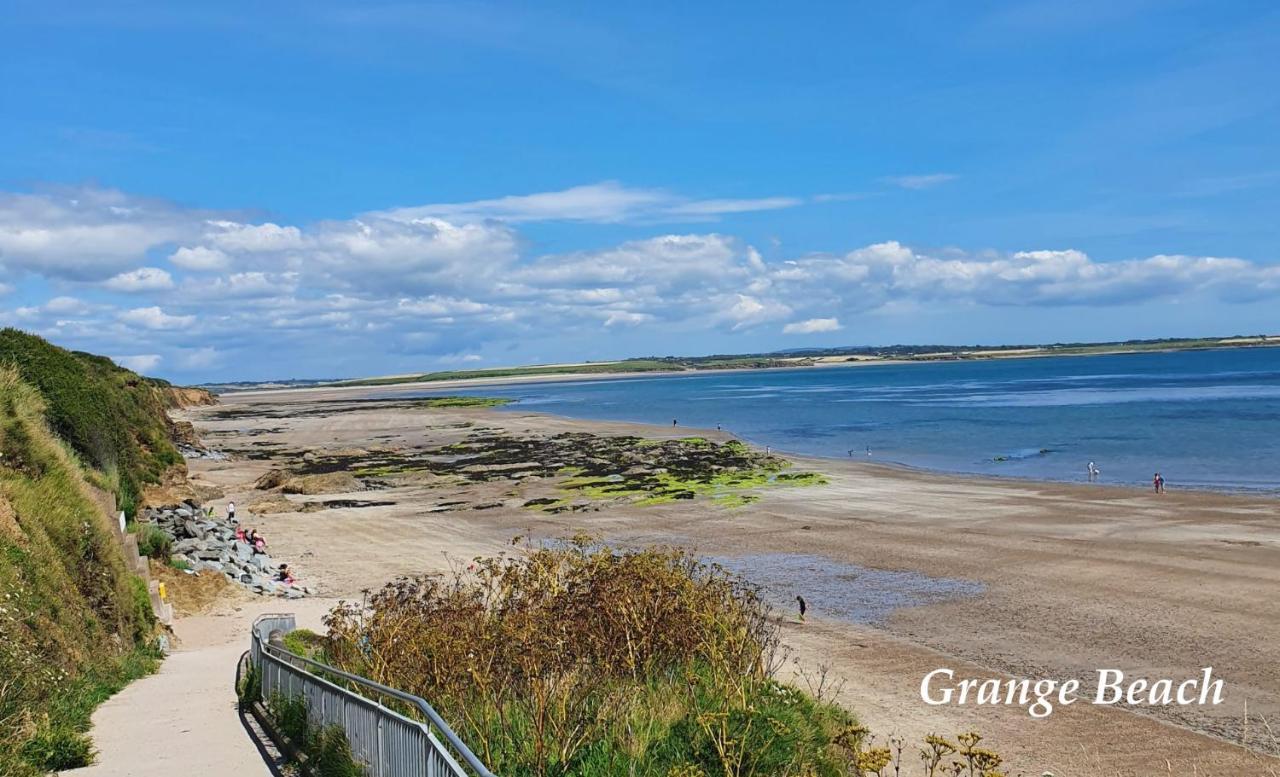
point(533, 377)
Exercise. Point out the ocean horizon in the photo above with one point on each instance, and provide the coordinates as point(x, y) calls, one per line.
point(1203, 419)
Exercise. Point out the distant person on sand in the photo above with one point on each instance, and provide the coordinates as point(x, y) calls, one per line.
point(1093, 471)
point(1157, 483)
point(803, 607)
point(231, 511)
point(284, 575)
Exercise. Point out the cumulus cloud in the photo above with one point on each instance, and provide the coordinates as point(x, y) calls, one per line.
point(200, 258)
point(415, 283)
point(86, 233)
point(812, 326)
point(140, 363)
point(141, 279)
point(927, 181)
point(155, 318)
point(55, 306)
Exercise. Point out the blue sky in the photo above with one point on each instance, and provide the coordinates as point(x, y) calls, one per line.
point(315, 189)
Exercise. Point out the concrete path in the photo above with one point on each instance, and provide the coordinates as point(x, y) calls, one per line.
point(183, 719)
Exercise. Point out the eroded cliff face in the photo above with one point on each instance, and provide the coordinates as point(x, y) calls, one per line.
point(178, 397)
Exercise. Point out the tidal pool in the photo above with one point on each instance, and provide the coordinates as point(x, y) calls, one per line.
point(843, 591)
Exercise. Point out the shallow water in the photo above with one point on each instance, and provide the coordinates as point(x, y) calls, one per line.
point(842, 591)
point(1203, 419)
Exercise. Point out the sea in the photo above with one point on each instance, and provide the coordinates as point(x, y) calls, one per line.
point(1206, 419)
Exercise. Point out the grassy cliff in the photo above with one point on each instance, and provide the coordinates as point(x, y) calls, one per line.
point(75, 624)
point(114, 419)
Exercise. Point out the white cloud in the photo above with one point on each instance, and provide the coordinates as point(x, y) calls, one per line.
point(428, 284)
point(605, 202)
point(55, 306)
point(927, 181)
point(744, 311)
point(233, 236)
point(200, 258)
point(86, 233)
point(241, 285)
point(141, 279)
point(155, 318)
point(140, 363)
point(812, 326)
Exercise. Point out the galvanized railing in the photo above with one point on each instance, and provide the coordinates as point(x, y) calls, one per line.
point(386, 742)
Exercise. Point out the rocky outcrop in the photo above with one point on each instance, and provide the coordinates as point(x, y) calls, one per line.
point(210, 543)
point(324, 483)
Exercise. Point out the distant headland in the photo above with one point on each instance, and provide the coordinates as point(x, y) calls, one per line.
point(800, 357)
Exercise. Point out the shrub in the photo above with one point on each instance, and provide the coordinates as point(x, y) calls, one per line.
point(154, 542)
point(583, 660)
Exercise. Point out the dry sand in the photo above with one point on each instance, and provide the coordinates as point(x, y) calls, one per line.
point(1075, 578)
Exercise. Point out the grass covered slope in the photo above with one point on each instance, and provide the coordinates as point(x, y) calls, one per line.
point(114, 419)
point(75, 624)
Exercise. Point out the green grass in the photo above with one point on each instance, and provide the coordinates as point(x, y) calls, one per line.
point(327, 750)
point(59, 739)
point(75, 624)
point(113, 418)
point(306, 643)
point(153, 542)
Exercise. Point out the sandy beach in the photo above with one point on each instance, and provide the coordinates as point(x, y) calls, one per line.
point(1061, 580)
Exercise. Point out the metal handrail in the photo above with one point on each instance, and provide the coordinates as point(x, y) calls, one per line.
point(263, 647)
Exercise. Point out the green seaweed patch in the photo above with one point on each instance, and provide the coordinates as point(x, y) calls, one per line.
point(461, 401)
point(733, 500)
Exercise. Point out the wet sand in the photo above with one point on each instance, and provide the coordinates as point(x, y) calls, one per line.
point(1062, 580)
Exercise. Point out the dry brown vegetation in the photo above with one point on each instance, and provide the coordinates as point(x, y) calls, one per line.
point(582, 660)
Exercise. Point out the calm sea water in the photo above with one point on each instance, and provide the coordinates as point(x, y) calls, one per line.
point(1204, 419)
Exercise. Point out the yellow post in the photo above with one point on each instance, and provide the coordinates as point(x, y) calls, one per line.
point(164, 596)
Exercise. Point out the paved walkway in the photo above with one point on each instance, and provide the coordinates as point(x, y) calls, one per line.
point(183, 719)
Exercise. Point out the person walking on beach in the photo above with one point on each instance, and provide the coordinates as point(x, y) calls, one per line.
point(1093, 472)
point(231, 511)
point(803, 607)
point(1157, 483)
